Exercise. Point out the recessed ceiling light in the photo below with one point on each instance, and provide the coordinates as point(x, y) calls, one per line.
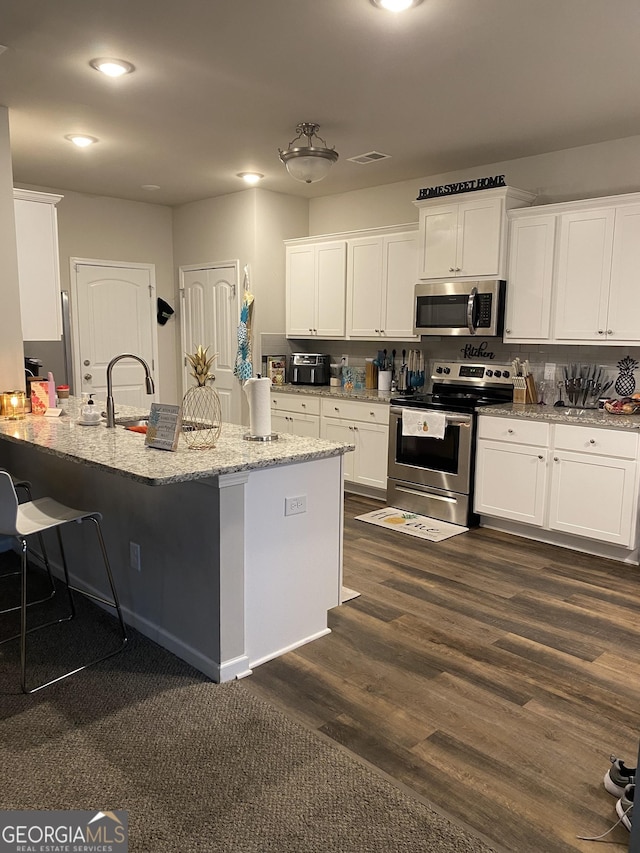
point(250, 177)
point(150, 187)
point(81, 140)
point(112, 67)
point(396, 5)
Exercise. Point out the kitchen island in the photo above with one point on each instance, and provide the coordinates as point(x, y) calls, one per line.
point(228, 576)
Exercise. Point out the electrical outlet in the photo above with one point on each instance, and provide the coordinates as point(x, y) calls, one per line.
point(294, 506)
point(134, 556)
point(550, 371)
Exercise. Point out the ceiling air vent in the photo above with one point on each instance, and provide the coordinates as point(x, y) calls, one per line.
point(369, 157)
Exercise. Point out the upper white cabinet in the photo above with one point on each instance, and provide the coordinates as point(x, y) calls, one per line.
point(316, 288)
point(573, 271)
point(381, 274)
point(38, 264)
point(353, 285)
point(585, 245)
point(467, 238)
point(530, 277)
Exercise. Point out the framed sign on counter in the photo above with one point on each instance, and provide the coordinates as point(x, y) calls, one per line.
point(163, 429)
point(277, 369)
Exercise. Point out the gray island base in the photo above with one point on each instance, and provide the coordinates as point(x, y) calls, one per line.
point(227, 580)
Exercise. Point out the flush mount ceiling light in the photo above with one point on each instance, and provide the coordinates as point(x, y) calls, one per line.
point(81, 140)
point(250, 177)
point(112, 67)
point(308, 163)
point(396, 5)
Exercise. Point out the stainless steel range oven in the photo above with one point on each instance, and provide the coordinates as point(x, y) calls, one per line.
point(434, 476)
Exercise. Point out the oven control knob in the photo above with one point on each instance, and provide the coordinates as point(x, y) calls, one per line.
point(447, 370)
point(505, 374)
point(438, 370)
point(488, 373)
point(497, 374)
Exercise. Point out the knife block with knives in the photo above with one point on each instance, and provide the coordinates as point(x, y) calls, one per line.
point(524, 385)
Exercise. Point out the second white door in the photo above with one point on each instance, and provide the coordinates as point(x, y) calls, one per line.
point(210, 315)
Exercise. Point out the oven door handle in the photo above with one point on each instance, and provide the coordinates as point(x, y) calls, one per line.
point(471, 304)
point(454, 419)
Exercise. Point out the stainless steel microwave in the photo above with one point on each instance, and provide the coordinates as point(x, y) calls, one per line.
point(459, 308)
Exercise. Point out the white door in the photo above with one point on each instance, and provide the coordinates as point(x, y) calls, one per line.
point(209, 318)
point(511, 481)
point(439, 235)
point(115, 312)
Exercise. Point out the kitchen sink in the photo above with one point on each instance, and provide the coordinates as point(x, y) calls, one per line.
point(129, 422)
point(144, 421)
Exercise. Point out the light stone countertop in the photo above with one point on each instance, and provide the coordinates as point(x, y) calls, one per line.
point(330, 391)
point(562, 415)
point(121, 451)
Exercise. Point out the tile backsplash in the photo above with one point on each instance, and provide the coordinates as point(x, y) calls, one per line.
point(455, 349)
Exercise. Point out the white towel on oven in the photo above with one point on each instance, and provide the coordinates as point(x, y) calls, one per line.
point(424, 424)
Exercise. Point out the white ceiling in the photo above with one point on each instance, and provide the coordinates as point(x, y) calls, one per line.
point(220, 85)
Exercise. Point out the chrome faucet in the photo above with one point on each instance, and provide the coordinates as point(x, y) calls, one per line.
point(148, 379)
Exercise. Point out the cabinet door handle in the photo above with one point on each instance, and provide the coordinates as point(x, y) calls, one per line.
point(451, 269)
point(555, 459)
point(601, 331)
point(88, 376)
point(336, 409)
point(510, 431)
point(540, 456)
point(609, 331)
point(377, 331)
point(592, 441)
point(356, 428)
point(303, 405)
point(382, 331)
point(508, 331)
point(457, 269)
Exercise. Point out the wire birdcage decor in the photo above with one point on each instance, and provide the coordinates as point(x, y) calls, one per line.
point(201, 407)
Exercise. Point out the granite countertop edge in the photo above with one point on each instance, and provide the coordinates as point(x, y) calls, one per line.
point(122, 452)
point(370, 395)
point(562, 415)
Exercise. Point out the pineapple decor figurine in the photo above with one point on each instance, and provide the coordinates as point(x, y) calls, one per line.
point(201, 409)
point(626, 383)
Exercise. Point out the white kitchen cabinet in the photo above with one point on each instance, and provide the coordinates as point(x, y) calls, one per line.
point(594, 483)
point(581, 480)
point(467, 238)
point(585, 245)
point(623, 318)
point(597, 296)
point(366, 425)
point(295, 414)
point(530, 277)
point(511, 469)
point(316, 290)
point(38, 264)
point(382, 271)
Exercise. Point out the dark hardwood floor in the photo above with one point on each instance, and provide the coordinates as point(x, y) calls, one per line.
point(489, 674)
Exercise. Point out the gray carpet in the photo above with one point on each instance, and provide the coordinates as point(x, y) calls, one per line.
point(199, 767)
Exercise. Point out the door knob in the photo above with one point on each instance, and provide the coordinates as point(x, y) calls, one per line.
point(86, 362)
point(88, 376)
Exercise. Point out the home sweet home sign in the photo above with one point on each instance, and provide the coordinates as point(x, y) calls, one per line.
point(462, 187)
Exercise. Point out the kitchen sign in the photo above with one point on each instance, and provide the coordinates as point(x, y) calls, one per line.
point(481, 351)
point(462, 187)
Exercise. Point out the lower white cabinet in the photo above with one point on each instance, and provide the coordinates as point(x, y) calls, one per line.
point(366, 425)
point(581, 480)
point(297, 415)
